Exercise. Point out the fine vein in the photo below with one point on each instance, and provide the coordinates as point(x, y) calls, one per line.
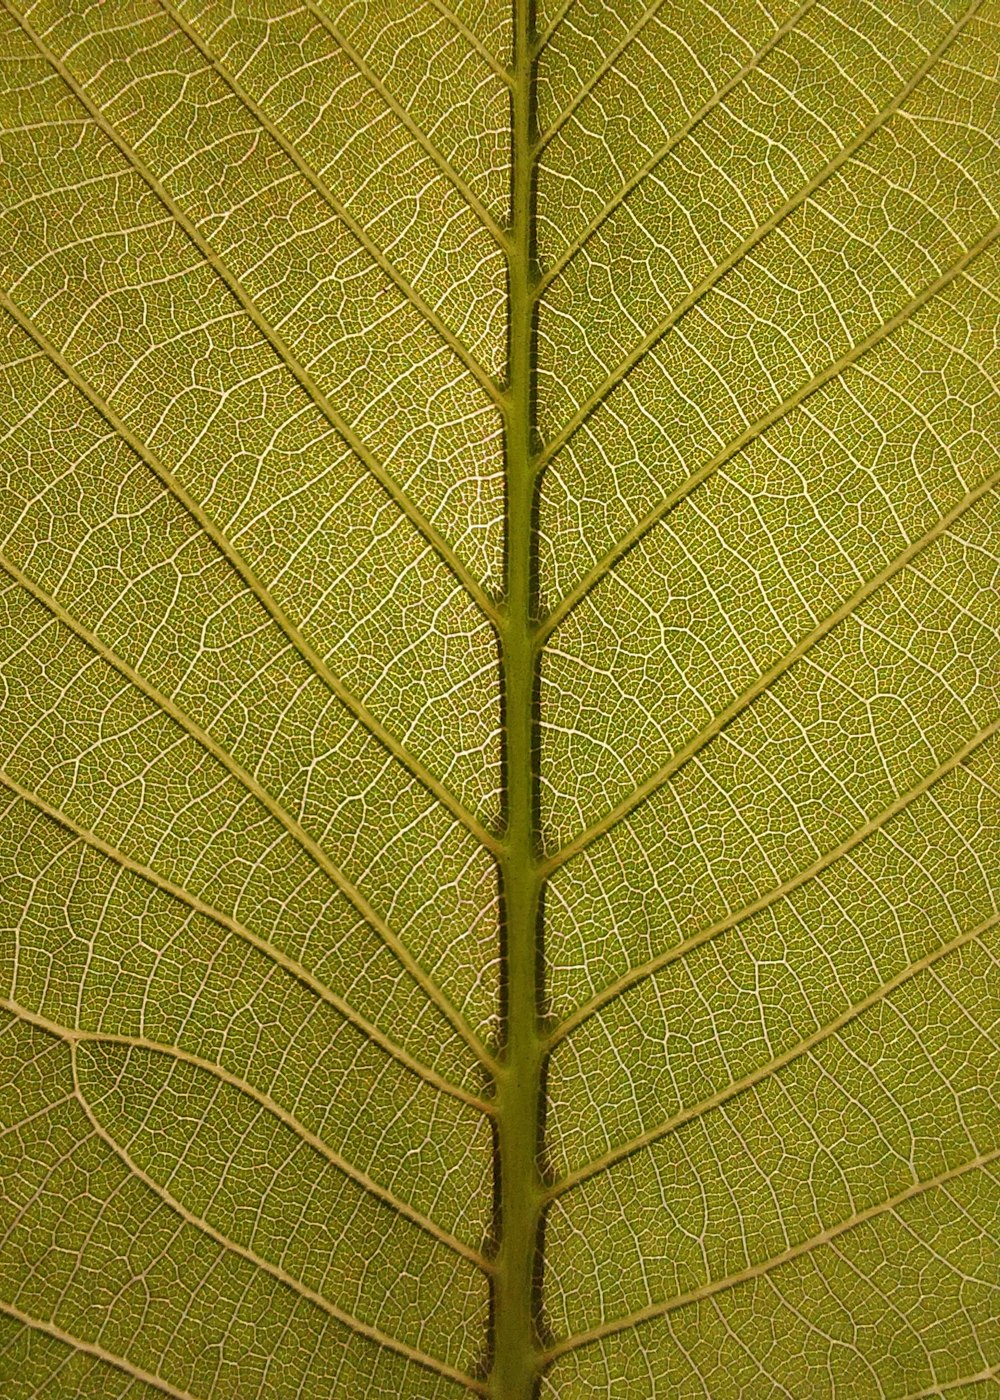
point(256, 790)
point(225, 921)
point(599, 72)
point(545, 38)
point(988, 1373)
point(681, 134)
point(99, 1353)
point(406, 120)
point(300, 373)
point(260, 591)
point(474, 41)
point(778, 892)
point(766, 680)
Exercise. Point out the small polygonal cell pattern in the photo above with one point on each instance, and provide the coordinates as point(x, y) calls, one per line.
point(253, 347)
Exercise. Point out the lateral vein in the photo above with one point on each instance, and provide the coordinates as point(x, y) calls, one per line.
point(708, 1290)
point(599, 72)
point(406, 288)
point(988, 1373)
point(669, 1125)
point(289, 1281)
point(252, 786)
point(260, 591)
point(545, 38)
point(75, 1036)
point(120, 1363)
point(766, 679)
point(473, 39)
point(406, 121)
point(648, 969)
point(231, 925)
point(663, 151)
point(556, 443)
point(756, 429)
point(302, 376)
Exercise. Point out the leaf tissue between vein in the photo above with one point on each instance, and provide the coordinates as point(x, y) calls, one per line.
point(497, 733)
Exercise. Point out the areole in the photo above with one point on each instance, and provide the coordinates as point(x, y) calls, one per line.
point(496, 657)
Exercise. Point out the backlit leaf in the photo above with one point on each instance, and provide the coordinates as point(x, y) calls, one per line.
point(498, 699)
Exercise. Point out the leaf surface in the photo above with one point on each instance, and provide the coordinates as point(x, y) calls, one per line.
point(498, 699)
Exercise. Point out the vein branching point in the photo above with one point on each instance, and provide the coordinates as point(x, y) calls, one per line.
point(475, 445)
point(516, 1342)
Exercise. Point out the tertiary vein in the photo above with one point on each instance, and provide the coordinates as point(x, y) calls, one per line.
point(99, 1353)
point(653, 337)
point(406, 120)
point(461, 351)
point(474, 41)
point(256, 789)
point(281, 349)
point(661, 153)
point(840, 614)
point(257, 1261)
point(604, 67)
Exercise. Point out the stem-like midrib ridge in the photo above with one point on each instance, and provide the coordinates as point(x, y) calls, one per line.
point(516, 1341)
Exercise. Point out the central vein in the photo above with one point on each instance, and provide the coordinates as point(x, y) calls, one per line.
point(519, 1090)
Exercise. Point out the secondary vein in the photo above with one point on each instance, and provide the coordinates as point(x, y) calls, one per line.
point(406, 288)
point(256, 789)
point(559, 440)
point(899, 804)
point(606, 65)
point(120, 1363)
point(714, 1286)
point(653, 783)
point(299, 372)
point(75, 1036)
point(407, 122)
point(233, 926)
point(756, 429)
point(730, 1091)
point(260, 591)
point(681, 134)
point(474, 41)
point(545, 38)
point(289, 1281)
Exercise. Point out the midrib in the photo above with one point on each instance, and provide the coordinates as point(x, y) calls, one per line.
point(516, 1347)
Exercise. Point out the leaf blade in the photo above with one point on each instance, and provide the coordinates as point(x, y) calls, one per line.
point(498, 698)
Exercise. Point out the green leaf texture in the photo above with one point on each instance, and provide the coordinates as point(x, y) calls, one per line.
point(498, 700)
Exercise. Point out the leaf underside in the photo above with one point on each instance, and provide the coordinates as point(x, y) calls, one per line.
point(260, 706)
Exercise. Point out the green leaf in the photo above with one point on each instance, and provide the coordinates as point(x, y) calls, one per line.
point(497, 700)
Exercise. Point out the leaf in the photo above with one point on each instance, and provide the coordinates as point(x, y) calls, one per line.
point(498, 727)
